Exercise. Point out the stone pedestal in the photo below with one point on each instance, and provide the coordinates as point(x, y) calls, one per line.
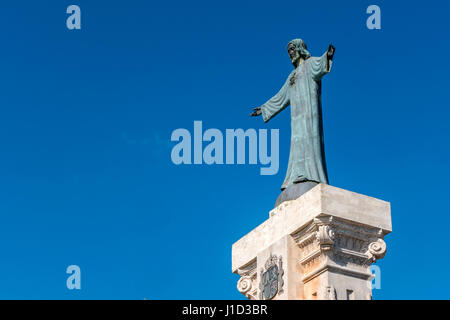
point(318, 246)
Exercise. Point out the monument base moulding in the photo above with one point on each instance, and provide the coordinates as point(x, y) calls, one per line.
point(318, 246)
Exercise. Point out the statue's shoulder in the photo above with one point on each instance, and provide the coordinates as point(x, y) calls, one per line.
point(312, 59)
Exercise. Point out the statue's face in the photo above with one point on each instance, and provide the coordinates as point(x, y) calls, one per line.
point(293, 53)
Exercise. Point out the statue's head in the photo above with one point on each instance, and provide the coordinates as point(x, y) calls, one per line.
point(297, 49)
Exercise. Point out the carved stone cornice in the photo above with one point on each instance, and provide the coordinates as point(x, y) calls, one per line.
point(328, 242)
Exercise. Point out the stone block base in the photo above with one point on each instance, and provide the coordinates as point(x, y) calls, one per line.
point(318, 246)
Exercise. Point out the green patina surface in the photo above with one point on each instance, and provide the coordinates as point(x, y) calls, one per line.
point(302, 91)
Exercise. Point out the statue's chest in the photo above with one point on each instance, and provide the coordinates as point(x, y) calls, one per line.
point(297, 75)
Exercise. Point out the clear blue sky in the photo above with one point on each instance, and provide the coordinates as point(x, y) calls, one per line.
point(86, 117)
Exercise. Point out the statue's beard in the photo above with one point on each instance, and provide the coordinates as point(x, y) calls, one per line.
point(296, 58)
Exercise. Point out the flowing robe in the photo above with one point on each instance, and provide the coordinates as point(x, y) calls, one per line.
point(302, 91)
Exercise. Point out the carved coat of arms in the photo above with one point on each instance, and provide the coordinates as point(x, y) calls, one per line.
point(271, 280)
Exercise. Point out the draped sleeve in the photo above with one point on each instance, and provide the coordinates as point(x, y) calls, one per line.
point(319, 66)
point(277, 103)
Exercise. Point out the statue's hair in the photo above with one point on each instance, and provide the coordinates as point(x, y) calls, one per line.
point(301, 48)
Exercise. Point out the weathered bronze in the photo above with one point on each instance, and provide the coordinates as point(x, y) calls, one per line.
point(302, 91)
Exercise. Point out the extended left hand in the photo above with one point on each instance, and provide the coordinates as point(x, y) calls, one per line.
point(330, 52)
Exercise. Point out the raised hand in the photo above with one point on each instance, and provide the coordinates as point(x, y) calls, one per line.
point(330, 52)
point(256, 112)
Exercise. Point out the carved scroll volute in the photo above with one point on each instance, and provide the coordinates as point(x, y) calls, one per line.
point(245, 286)
point(247, 283)
point(377, 250)
point(325, 237)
